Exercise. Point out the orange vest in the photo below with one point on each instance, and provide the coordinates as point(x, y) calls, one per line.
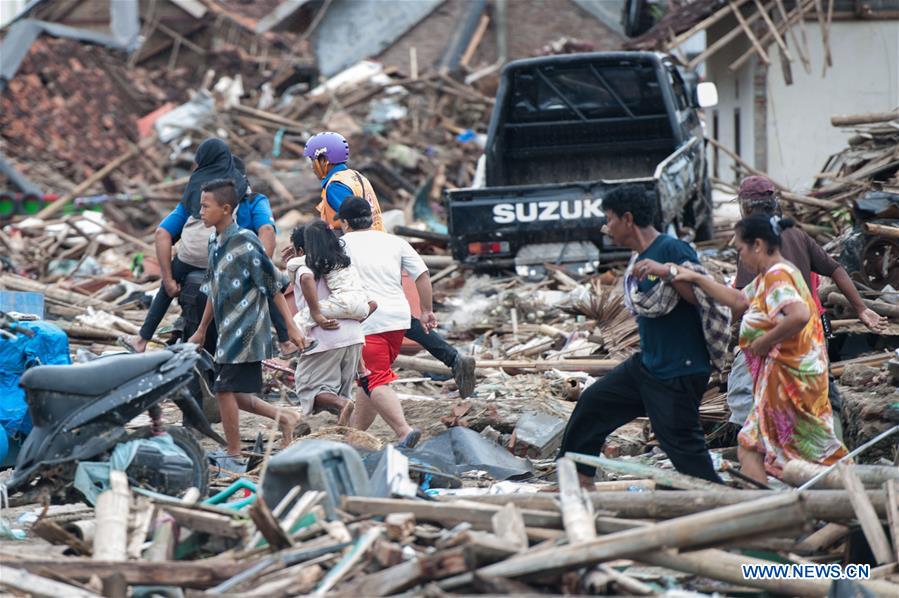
point(360, 187)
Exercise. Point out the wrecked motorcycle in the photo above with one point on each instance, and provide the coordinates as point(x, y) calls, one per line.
point(80, 412)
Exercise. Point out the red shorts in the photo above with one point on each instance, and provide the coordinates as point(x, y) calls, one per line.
point(379, 353)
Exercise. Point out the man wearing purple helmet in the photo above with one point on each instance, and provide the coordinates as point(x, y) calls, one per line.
point(328, 153)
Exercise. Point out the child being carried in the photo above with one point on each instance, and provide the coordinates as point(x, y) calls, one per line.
point(318, 248)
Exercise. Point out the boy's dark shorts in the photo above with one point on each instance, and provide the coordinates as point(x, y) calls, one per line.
point(238, 377)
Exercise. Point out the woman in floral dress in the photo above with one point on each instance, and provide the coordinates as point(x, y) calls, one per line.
point(783, 340)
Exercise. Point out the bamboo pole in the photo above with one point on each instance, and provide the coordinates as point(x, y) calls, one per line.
point(798, 472)
point(883, 230)
point(773, 29)
point(112, 520)
point(718, 525)
point(752, 38)
point(803, 56)
point(826, 505)
point(60, 203)
point(864, 511)
point(850, 120)
point(722, 41)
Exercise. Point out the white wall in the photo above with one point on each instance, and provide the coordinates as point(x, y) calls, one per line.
point(864, 78)
point(9, 9)
point(735, 94)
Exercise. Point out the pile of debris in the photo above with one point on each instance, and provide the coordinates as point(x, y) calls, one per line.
point(631, 536)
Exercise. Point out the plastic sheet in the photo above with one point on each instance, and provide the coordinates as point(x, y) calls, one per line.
point(49, 346)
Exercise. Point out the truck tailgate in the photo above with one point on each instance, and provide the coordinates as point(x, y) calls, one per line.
point(522, 215)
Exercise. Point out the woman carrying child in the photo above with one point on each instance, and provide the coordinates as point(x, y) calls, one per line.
point(331, 304)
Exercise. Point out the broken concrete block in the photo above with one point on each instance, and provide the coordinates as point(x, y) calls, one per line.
point(537, 435)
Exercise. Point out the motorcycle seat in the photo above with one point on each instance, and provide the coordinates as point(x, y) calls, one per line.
point(93, 378)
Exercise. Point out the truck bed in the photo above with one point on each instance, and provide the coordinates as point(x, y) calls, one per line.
point(539, 153)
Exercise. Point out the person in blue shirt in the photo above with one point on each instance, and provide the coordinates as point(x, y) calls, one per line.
point(254, 213)
point(667, 378)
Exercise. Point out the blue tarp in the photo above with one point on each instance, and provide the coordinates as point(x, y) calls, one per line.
point(49, 346)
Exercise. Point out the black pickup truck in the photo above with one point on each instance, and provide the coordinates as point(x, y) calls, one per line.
point(564, 131)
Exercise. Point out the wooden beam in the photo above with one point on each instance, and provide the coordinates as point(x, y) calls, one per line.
point(576, 507)
point(508, 526)
point(883, 230)
point(825, 33)
point(718, 525)
point(191, 574)
point(749, 34)
point(827, 505)
point(851, 120)
point(38, 586)
point(868, 519)
point(63, 201)
point(800, 49)
point(794, 16)
point(112, 511)
point(705, 23)
point(444, 563)
point(891, 489)
point(721, 41)
point(773, 29)
point(480, 516)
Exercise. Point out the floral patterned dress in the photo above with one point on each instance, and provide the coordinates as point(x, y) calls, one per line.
point(792, 418)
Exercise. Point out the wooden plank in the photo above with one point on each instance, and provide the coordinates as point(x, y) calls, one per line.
point(508, 525)
point(705, 23)
point(268, 526)
point(475, 40)
point(749, 34)
point(450, 514)
point(721, 41)
point(37, 586)
point(343, 567)
point(825, 34)
point(400, 526)
point(441, 564)
point(883, 230)
point(53, 533)
point(864, 510)
point(773, 29)
point(99, 175)
point(851, 120)
point(190, 574)
point(800, 49)
point(891, 489)
point(207, 522)
point(718, 525)
point(576, 507)
point(814, 202)
point(793, 17)
point(112, 520)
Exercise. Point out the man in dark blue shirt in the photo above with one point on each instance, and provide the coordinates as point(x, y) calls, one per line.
point(667, 378)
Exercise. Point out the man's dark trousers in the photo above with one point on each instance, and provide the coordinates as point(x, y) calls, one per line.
point(432, 342)
point(631, 391)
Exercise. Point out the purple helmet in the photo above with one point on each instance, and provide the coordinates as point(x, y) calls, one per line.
point(331, 145)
